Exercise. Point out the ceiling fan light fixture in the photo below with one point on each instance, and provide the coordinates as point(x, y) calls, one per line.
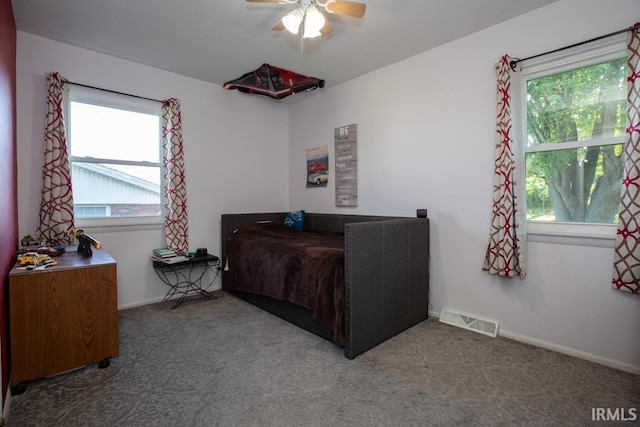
point(309, 16)
point(292, 20)
point(314, 21)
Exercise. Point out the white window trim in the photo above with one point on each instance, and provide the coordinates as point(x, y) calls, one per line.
point(124, 102)
point(120, 224)
point(621, 139)
point(580, 234)
point(599, 235)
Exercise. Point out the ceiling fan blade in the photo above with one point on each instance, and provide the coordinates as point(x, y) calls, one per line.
point(279, 26)
point(346, 8)
point(266, 1)
point(327, 29)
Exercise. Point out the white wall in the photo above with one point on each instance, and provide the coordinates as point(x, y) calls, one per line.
point(426, 130)
point(235, 145)
point(426, 139)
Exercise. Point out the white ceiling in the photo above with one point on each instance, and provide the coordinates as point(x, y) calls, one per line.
point(219, 40)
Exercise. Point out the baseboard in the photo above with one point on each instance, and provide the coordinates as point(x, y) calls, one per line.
point(156, 300)
point(571, 352)
point(140, 303)
point(561, 349)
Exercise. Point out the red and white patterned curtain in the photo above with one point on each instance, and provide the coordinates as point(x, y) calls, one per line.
point(175, 189)
point(507, 241)
point(56, 208)
point(626, 262)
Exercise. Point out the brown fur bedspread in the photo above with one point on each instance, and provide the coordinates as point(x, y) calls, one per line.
point(305, 268)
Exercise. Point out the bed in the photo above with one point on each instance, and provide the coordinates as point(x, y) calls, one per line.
point(356, 280)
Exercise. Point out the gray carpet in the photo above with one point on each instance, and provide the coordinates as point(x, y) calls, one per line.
point(225, 362)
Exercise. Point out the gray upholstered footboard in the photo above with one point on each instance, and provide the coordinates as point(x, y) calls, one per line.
point(386, 267)
point(387, 279)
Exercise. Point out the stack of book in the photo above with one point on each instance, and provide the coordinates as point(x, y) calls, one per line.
point(167, 256)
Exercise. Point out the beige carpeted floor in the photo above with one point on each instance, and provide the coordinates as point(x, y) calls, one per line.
point(224, 362)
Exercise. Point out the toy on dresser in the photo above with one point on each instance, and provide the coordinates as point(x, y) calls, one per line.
point(85, 242)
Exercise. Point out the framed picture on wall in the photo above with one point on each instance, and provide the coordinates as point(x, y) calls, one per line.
point(317, 166)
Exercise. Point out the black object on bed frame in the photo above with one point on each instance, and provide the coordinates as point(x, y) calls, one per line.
point(386, 275)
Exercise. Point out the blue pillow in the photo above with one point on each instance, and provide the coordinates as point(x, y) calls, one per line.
point(295, 220)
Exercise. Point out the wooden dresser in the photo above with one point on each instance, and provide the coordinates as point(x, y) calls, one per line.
point(63, 317)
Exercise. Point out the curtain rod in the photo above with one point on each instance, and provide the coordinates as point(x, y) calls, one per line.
point(513, 63)
point(64, 81)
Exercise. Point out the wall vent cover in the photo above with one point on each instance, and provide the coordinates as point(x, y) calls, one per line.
point(469, 321)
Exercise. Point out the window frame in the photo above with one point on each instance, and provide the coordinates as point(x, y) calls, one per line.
point(118, 101)
point(582, 234)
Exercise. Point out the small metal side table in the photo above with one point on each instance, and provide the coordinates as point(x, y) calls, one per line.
point(185, 277)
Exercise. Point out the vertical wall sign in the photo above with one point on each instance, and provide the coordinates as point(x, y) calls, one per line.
point(346, 171)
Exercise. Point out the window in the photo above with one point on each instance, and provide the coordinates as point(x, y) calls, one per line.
point(115, 153)
point(90, 211)
point(575, 115)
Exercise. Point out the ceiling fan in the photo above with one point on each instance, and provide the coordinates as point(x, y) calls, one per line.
point(306, 17)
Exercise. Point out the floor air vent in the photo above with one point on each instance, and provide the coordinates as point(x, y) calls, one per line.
point(469, 321)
